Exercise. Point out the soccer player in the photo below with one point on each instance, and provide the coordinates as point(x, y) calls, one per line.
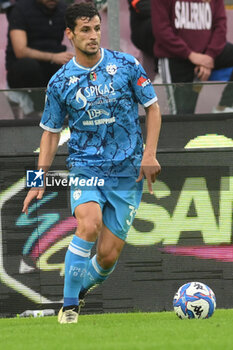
point(99, 90)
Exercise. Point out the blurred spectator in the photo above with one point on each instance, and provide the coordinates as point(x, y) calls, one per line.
point(190, 42)
point(99, 4)
point(140, 24)
point(78, 1)
point(141, 28)
point(35, 50)
point(6, 6)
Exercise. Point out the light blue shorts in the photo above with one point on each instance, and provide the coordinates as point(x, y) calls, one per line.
point(119, 199)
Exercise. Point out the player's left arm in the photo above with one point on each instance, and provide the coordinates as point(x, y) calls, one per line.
point(48, 147)
point(150, 167)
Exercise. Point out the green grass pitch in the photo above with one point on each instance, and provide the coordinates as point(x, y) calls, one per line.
point(128, 331)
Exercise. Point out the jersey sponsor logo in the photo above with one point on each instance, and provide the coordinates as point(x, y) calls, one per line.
point(193, 15)
point(81, 99)
point(143, 81)
point(99, 90)
point(102, 101)
point(111, 69)
point(94, 113)
point(93, 91)
point(99, 121)
point(73, 80)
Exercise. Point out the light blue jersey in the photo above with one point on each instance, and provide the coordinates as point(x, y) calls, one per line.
point(102, 106)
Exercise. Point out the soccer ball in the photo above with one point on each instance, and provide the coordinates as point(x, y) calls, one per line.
point(194, 300)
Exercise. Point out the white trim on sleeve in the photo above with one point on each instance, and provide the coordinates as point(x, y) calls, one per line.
point(147, 104)
point(49, 129)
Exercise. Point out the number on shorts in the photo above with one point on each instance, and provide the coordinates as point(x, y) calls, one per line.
point(131, 215)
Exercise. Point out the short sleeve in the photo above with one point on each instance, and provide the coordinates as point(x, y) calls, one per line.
point(17, 19)
point(142, 86)
point(54, 111)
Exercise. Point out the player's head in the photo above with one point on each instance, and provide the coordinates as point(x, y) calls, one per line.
point(83, 27)
point(81, 10)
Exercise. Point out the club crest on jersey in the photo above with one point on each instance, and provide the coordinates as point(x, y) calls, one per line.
point(111, 69)
point(93, 76)
point(77, 194)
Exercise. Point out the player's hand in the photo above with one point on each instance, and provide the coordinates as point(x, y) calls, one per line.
point(150, 168)
point(62, 57)
point(32, 193)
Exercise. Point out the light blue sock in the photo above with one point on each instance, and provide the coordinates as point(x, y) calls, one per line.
point(76, 263)
point(95, 274)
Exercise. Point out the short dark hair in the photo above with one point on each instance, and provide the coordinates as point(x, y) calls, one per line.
point(76, 11)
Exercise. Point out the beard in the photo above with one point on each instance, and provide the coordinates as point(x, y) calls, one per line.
point(88, 53)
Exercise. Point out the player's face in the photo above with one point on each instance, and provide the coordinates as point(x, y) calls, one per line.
point(86, 35)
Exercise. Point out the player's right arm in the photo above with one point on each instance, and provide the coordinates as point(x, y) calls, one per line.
point(48, 147)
